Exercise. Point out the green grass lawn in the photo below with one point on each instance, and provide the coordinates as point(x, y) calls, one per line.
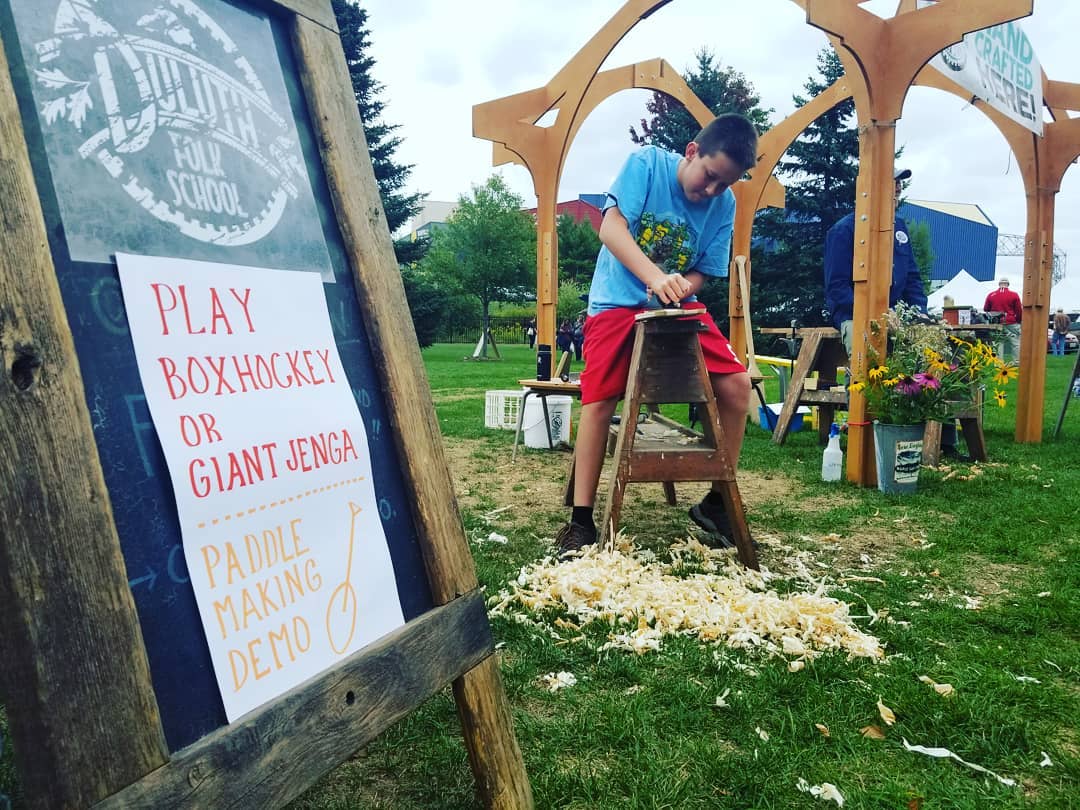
point(975, 582)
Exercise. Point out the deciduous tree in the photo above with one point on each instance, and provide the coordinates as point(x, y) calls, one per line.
point(578, 246)
point(487, 249)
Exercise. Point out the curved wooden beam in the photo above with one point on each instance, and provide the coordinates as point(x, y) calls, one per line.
point(511, 121)
point(892, 51)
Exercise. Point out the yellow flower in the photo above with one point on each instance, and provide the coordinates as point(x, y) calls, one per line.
point(877, 373)
point(889, 383)
point(1004, 373)
point(646, 236)
point(939, 366)
point(999, 397)
point(856, 387)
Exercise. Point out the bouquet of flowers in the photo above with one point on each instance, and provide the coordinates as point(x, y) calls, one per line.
point(928, 373)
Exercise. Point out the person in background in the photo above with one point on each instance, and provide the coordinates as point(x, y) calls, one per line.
point(579, 336)
point(564, 338)
point(906, 286)
point(666, 230)
point(907, 283)
point(1061, 329)
point(1005, 300)
point(530, 333)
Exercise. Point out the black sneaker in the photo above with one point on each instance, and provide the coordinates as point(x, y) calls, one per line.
point(714, 520)
point(572, 538)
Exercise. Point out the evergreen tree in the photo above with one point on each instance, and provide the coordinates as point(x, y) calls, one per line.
point(382, 142)
point(819, 171)
point(428, 304)
point(410, 251)
point(487, 249)
point(923, 250)
point(578, 246)
point(722, 90)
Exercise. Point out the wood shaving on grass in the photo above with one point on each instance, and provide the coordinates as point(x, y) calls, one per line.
point(645, 600)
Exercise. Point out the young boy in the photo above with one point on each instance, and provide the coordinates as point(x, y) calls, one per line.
point(666, 229)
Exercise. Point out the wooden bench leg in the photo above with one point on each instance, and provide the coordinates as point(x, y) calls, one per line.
point(826, 415)
point(609, 526)
point(973, 435)
point(669, 493)
point(931, 444)
point(733, 505)
point(805, 363)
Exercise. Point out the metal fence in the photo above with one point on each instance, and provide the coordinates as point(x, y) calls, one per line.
point(504, 330)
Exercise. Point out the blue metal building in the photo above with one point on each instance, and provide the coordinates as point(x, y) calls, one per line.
point(962, 237)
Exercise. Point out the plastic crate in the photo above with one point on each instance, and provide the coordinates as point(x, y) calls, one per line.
point(501, 409)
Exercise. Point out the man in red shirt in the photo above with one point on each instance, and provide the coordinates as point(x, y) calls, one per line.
point(1005, 300)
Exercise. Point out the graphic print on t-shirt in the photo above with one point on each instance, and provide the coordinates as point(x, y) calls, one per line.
point(668, 244)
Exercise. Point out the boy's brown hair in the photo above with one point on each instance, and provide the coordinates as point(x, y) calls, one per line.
point(732, 134)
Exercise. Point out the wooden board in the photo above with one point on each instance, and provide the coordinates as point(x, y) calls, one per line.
point(107, 683)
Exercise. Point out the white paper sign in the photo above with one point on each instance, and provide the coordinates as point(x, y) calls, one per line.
point(999, 65)
point(270, 467)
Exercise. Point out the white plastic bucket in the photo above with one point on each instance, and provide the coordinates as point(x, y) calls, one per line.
point(532, 425)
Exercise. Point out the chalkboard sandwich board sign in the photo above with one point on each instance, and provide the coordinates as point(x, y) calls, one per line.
point(230, 553)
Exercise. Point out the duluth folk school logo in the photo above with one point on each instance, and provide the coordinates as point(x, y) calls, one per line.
point(174, 112)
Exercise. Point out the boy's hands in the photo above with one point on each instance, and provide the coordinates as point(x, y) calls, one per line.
point(669, 289)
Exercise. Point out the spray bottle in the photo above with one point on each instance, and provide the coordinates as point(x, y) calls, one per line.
point(832, 460)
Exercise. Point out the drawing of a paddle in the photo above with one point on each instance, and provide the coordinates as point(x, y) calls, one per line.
point(343, 607)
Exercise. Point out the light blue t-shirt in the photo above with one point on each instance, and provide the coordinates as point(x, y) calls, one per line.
point(676, 234)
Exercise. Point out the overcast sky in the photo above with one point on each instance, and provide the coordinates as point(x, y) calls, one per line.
point(437, 59)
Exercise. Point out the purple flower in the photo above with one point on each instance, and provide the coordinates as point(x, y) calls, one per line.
point(908, 385)
point(927, 381)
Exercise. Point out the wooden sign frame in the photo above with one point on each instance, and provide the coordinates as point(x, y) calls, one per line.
point(76, 682)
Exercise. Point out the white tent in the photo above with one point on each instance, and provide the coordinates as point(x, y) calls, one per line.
point(964, 289)
point(1066, 294)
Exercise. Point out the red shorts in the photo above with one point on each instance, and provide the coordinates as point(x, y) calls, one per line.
point(609, 342)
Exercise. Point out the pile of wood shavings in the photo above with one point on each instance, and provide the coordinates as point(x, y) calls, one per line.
point(645, 599)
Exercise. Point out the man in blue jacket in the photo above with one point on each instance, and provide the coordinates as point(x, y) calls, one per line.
point(907, 284)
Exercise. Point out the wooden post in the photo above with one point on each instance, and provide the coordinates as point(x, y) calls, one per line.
point(83, 711)
point(493, 751)
point(66, 602)
point(510, 122)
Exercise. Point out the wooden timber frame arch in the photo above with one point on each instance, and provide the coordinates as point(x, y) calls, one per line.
point(881, 58)
point(1043, 162)
point(75, 677)
point(576, 90)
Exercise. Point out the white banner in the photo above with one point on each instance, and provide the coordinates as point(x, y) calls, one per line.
point(999, 66)
point(269, 463)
